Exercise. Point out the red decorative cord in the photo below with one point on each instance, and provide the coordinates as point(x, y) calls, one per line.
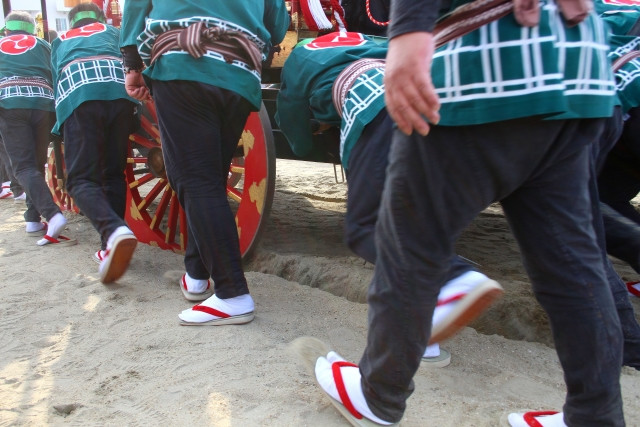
point(372, 19)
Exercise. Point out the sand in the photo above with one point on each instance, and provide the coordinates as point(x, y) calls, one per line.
point(76, 352)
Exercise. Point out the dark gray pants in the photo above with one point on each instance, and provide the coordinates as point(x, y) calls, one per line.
point(96, 137)
point(539, 171)
point(26, 135)
point(200, 127)
point(6, 171)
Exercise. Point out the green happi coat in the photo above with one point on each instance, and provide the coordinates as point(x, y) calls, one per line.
point(621, 18)
point(83, 70)
point(24, 55)
point(142, 24)
point(510, 71)
point(307, 81)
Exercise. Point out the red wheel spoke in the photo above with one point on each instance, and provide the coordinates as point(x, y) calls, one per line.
point(161, 209)
point(141, 181)
point(145, 142)
point(152, 195)
point(234, 194)
point(174, 208)
point(237, 169)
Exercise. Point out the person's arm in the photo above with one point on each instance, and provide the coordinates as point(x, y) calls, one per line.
point(276, 19)
point(409, 93)
point(133, 23)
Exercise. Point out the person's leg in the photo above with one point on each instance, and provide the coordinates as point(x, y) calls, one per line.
point(622, 236)
point(551, 218)
point(26, 137)
point(365, 180)
point(121, 123)
point(200, 127)
point(86, 155)
point(435, 187)
point(15, 186)
point(619, 179)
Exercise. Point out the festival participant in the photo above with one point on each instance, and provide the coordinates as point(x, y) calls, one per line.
point(204, 65)
point(519, 134)
point(26, 118)
point(337, 79)
point(95, 117)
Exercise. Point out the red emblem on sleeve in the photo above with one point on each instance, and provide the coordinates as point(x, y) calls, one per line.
point(336, 40)
point(84, 31)
point(17, 44)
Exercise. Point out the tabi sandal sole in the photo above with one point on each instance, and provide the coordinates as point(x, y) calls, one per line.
point(61, 241)
point(37, 233)
point(444, 359)
point(118, 258)
point(467, 310)
point(190, 296)
point(309, 349)
point(220, 321)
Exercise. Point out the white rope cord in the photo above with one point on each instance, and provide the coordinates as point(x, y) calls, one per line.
point(314, 15)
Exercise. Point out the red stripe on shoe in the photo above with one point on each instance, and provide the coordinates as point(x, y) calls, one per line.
point(451, 299)
point(529, 417)
point(210, 310)
point(632, 289)
point(54, 240)
point(342, 391)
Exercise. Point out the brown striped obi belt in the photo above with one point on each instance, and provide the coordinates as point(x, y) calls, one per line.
point(197, 39)
point(347, 78)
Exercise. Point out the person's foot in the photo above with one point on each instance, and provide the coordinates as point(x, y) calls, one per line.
point(120, 247)
point(21, 198)
point(461, 301)
point(195, 289)
point(215, 311)
point(36, 229)
point(633, 288)
point(55, 225)
point(537, 419)
point(341, 381)
point(435, 357)
point(98, 256)
point(5, 193)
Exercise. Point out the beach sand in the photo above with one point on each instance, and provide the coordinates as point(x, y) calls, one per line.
point(76, 352)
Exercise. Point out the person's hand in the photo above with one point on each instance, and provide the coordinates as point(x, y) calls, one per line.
point(135, 86)
point(409, 93)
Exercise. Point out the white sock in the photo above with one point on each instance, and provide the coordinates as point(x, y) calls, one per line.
point(34, 226)
point(351, 379)
point(118, 232)
point(196, 286)
point(432, 350)
point(232, 306)
point(55, 225)
point(556, 420)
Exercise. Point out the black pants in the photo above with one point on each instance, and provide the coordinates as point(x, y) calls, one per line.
point(436, 185)
point(365, 180)
point(6, 171)
point(26, 135)
point(96, 137)
point(200, 126)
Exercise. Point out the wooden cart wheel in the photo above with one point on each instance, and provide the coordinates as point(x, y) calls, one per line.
point(153, 211)
point(56, 186)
